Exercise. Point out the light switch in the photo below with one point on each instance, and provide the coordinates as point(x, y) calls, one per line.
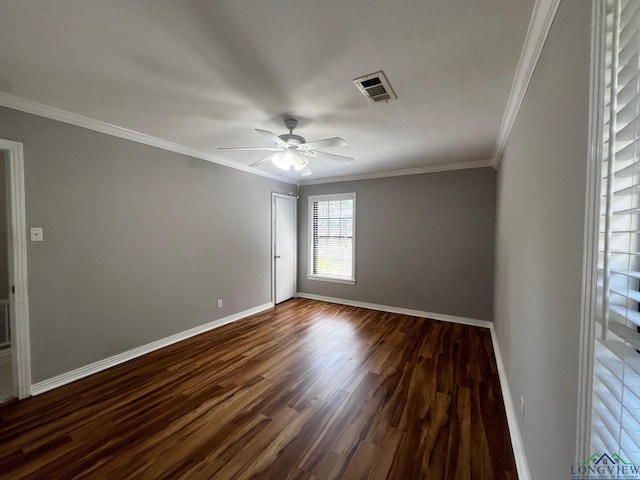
point(36, 234)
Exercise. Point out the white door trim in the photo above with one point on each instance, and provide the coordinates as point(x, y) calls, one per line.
point(294, 199)
point(17, 224)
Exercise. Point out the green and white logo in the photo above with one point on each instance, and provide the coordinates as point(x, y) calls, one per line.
point(605, 467)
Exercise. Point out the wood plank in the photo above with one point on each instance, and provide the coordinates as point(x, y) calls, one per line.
point(307, 390)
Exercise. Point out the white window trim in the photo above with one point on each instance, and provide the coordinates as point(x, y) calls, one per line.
point(591, 232)
point(327, 278)
point(593, 317)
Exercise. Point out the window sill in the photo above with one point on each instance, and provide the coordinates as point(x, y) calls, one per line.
point(346, 281)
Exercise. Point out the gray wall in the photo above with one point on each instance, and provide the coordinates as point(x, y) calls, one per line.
point(539, 244)
point(423, 242)
point(139, 243)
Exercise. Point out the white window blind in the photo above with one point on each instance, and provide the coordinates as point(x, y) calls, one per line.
point(615, 423)
point(332, 242)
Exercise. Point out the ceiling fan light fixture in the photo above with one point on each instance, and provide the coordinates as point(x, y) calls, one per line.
point(276, 158)
point(301, 162)
point(292, 150)
point(285, 160)
point(289, 158)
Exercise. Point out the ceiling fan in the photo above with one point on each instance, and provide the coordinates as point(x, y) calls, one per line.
point(292, 150)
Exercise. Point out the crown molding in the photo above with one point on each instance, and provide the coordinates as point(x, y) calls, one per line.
point(544, 12)
point(53, 113)
point(399, 173)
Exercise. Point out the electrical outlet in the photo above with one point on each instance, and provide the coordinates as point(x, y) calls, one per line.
point(219, 303)
point(36, 234)
point(522, 408)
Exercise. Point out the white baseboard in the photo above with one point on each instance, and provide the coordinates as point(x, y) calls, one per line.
point(78, 373)
point(512, 416)
point(402, 311)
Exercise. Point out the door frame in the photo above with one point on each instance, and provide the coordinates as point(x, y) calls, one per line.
point(294, 199)
point(18, 280)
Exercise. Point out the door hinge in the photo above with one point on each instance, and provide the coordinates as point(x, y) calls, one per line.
point(13, 289)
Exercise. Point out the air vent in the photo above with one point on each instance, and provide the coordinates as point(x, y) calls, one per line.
point(375, 87)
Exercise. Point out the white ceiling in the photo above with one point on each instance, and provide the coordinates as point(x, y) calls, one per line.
point(204, 74)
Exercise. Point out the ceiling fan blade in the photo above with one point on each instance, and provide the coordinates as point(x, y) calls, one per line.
point(332, 157)
point(263, 160)
point(252, 149)
point(273, 137)
point(305, 171)
point(326, 143)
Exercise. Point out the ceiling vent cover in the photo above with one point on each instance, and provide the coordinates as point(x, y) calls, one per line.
point(375, 87)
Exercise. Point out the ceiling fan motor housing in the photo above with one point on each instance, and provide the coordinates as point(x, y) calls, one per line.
point(290, 123)
point(292, 139)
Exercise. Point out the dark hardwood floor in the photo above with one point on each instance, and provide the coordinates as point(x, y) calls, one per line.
point(308, 390)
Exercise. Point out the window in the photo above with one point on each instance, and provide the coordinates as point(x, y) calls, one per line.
point(615, 416)
point(332, 237)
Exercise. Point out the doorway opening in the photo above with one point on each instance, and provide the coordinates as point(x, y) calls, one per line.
point(15, 357)
point(6, 359)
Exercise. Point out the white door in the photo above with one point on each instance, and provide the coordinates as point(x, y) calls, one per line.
point(284, 247)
